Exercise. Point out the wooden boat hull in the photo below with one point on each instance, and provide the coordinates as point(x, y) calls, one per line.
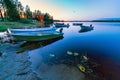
point(32, 30)
point(37, 37)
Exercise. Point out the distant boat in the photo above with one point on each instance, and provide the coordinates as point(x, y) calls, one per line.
point(39, 36)
point(86, 28)
point(49, 29)
point(77, 24)
point(59, 25)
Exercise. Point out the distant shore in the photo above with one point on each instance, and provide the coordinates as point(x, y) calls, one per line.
point(86, 20)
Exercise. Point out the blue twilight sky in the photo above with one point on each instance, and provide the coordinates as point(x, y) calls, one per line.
point(76, 9)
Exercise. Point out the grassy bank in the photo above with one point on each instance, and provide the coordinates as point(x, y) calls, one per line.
point(5, 25)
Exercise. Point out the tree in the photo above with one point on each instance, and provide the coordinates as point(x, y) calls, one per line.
point(28, 13)
point(19, 7)
point(48, 19)
point(11, 10)
point(36, 14)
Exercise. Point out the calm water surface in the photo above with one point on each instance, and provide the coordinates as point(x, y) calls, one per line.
point(101, 44)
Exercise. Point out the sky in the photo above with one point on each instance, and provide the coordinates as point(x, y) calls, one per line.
point(76, 9)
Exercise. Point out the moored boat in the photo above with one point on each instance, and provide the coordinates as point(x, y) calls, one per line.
point(77, 24)
point(86, 28)
point(49, 29)
point(59, 25)
point(36, 36)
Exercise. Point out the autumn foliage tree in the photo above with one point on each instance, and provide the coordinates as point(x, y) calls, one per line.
point(44, 19)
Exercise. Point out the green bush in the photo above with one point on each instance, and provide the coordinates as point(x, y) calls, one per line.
point(3, 28)
point(25, 21)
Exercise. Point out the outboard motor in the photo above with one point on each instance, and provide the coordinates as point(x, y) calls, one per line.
point(90, 25)
point(61, 29)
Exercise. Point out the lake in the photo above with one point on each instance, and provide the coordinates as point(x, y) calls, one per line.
point(102, 44)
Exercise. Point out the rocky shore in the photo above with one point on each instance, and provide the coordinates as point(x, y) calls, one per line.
point(15, 66)
point(6, 37)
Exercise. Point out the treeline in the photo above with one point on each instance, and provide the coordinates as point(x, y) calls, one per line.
point(13, 10)
point(105, 20)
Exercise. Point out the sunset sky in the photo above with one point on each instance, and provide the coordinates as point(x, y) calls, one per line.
point(76, 9)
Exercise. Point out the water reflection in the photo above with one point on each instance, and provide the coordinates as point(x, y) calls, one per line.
point(102, 45)
point(37, 44)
